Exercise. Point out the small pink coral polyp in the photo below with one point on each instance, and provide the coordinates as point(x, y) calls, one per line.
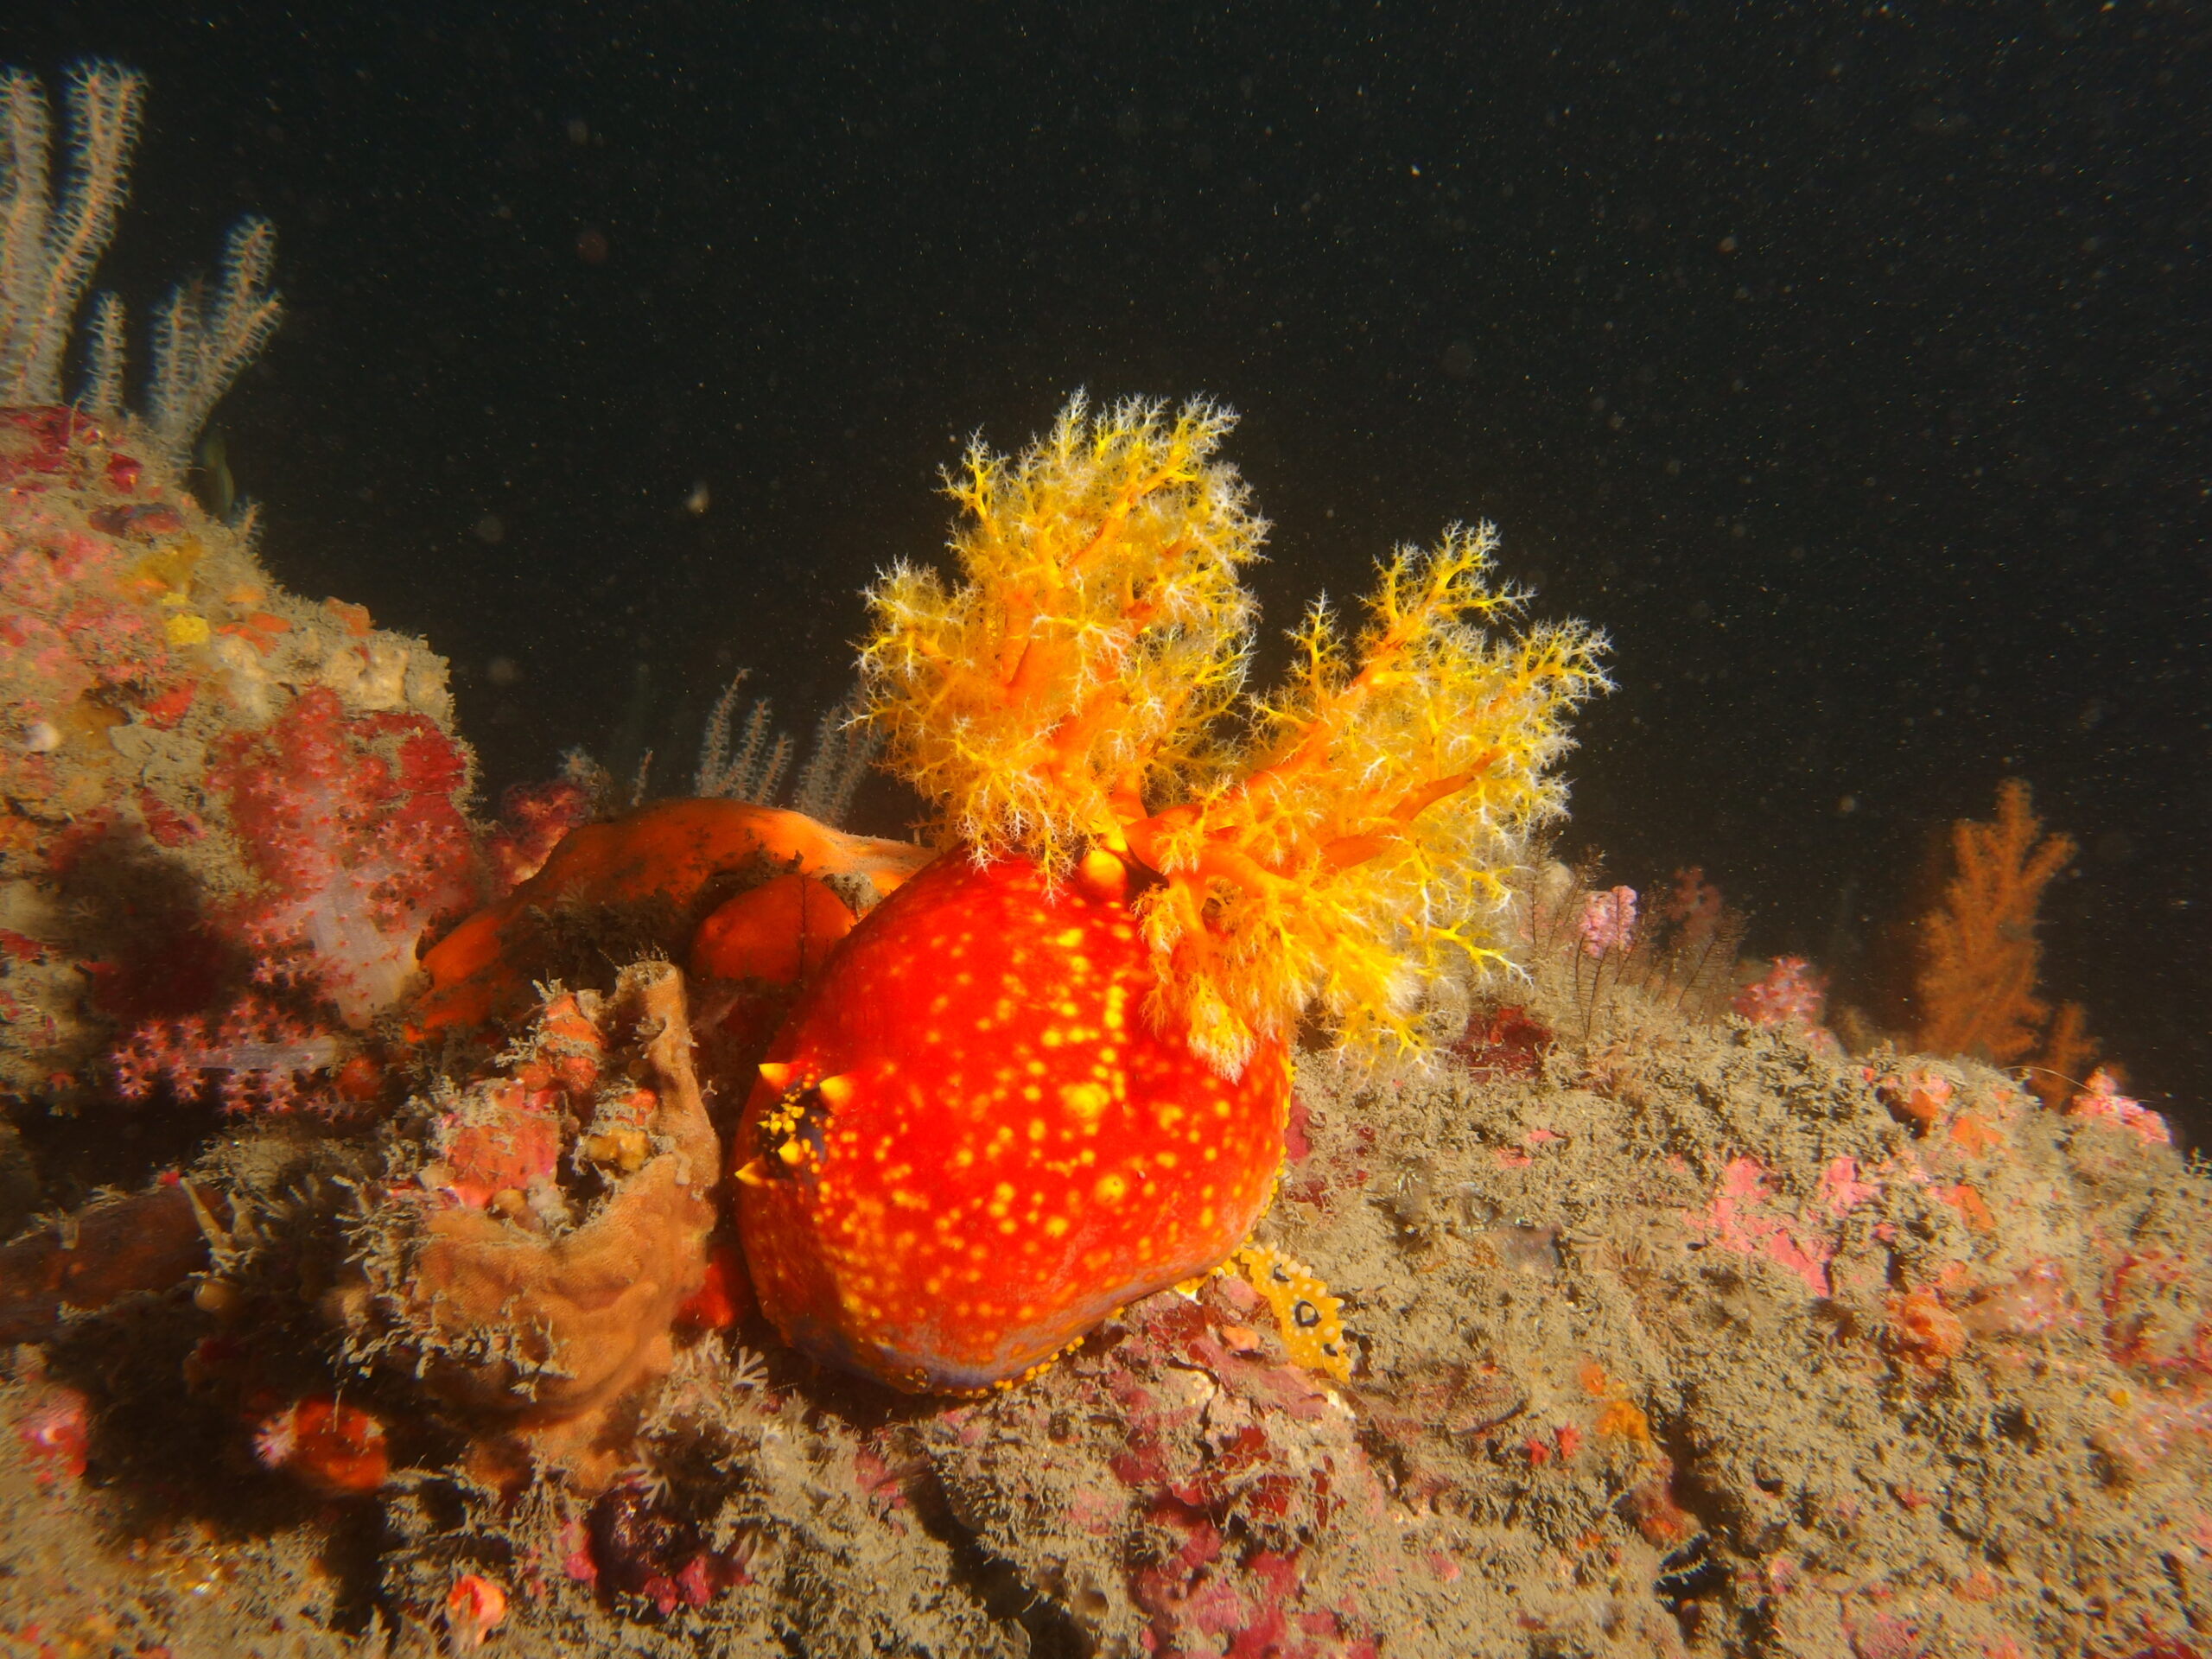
point(970, 1145)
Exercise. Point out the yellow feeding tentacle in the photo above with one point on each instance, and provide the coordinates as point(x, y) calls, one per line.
point(1071, 692)
point(1098, 631)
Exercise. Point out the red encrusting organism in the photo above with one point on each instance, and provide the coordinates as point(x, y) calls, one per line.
point(333, 1447)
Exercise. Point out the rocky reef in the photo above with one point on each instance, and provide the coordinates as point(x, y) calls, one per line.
point(1488, 1265)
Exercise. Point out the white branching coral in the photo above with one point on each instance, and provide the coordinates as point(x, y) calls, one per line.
point(50, 244)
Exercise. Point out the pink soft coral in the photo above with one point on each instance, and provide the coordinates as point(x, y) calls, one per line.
point(259, 1055)
point(353, 824)
point(1790, 994)
point(2101, 1101)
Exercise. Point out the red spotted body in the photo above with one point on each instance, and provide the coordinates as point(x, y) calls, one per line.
point(970, 1145)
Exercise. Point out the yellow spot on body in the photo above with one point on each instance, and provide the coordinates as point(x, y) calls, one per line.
point(1111, 1189)
point(1057, 1227)
point(1085, 1101)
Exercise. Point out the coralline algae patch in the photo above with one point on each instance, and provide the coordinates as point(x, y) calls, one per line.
point(1778, 1342)
point(201, 771)
point(1742, 1218)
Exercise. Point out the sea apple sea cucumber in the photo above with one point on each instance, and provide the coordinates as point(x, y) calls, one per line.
point(1050, 1074)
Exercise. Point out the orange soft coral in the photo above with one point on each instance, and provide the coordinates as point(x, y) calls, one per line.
point(1979, 951)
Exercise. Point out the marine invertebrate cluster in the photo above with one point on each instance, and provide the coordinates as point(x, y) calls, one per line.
point(656, 879)
point(1624, 956)
point(1704, 1340)
point(353, 824)
point(967, 1147)
point(335, 1448)
point(205, 776)
point(1792, 993)
point(49, 245)
point(531, 1271)
point(1206, 1515)
point(1070, 696)
point(256, 1056)
point(202, 774)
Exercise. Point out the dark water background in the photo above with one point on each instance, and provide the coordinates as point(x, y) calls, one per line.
point(1848, 363)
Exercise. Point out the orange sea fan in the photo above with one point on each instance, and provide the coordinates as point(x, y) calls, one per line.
point(1978, 954)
